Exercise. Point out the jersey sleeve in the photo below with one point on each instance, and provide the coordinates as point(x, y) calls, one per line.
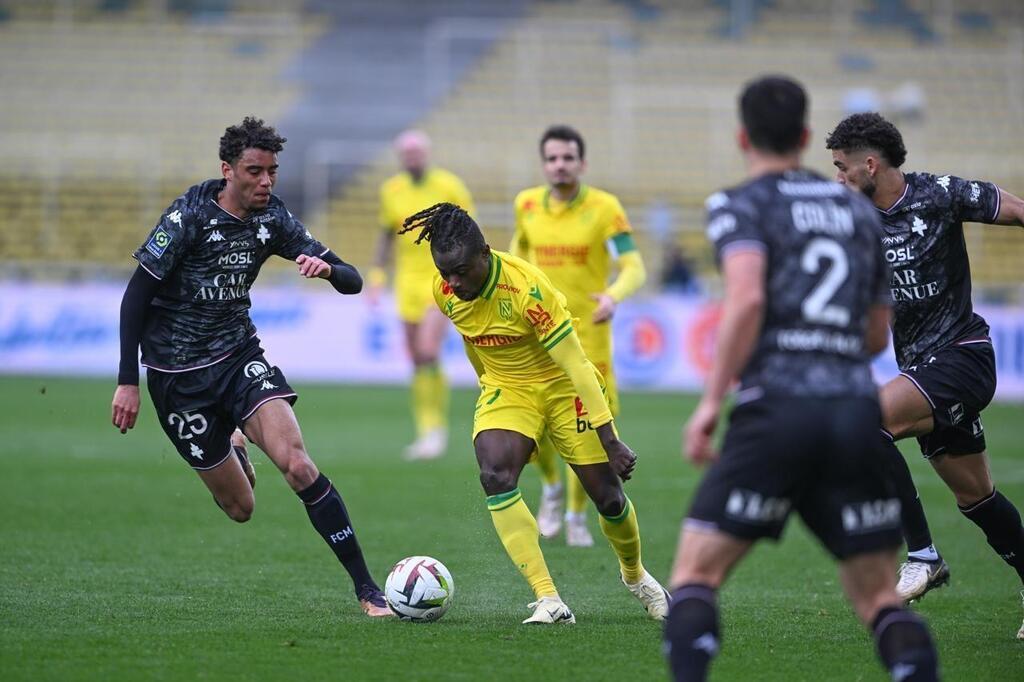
point(384, 217)
point(974, 201)
point(616, 223)
point(732, 225)
point(168, 242)
point(546, 310)
point(295, 239)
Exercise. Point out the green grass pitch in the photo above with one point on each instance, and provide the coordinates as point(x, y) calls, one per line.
point(115, 564)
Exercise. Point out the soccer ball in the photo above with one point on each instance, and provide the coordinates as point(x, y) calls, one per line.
point(419, 588)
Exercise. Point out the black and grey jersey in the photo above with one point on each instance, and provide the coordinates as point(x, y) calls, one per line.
point(206, 260)
point(824, 272)
point(931, 275)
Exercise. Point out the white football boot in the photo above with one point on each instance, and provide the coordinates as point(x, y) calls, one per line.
point(651, 594)
point(430, 445)
point(576, 532)
point(549, 515)
point(1020, 633)
point(550, 610)
point(918, 577)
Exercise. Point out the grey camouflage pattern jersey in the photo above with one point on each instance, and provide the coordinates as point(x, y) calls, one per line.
point(207, 259)
point(824, 272)
point(931, 275)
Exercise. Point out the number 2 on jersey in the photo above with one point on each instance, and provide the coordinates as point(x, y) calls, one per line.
point(816, 307)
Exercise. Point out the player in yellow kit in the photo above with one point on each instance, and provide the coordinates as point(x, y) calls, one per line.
point(534, 379)
point(574, 233)
point(418, 186)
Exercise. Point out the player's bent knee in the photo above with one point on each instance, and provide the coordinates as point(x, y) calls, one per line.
point(239, 510)
point(610, 502)
point(300, 471)
point(497, 481)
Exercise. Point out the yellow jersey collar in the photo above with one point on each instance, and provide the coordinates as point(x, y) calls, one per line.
point(492, 277)
point(576, 200)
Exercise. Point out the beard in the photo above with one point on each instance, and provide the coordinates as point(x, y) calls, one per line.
point(869, 188)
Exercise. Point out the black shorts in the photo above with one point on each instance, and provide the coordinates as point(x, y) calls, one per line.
point(958, 382)
point(821, 457)
point(200, 408)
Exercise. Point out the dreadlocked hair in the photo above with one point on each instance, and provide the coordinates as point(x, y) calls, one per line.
point(447, 227)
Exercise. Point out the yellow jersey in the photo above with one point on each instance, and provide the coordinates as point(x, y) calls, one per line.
point(517, 318)
point(569, 241)
point(401, 197)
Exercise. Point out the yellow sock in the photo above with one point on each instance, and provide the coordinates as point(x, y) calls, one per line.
point(547, 461)
point(623, 533)
point(441, 393)
point(422, 400)
point(518, 532)
point(577, 495)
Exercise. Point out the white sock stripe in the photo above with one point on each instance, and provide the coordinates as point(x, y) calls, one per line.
point(964, 510)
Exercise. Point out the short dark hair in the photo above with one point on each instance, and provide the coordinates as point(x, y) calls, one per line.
point(565, 134)
point(447, 227)
point(773, 110)
point(868, 131)
point(252, 133)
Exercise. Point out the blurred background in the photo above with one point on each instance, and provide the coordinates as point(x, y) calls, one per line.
point(112, 108)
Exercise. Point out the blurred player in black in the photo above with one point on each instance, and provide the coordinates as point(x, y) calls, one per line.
point(806, 306)
point(188, 305)
point(947, 365)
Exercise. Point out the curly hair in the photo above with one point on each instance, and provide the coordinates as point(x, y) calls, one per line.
point(252, 133)
point(447, 227)
point(868, 131)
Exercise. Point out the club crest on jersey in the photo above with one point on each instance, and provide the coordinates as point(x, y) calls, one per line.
point(263, 234)
point(505, 308)
point(157, 244)
point(919, 226)
point(255, 369)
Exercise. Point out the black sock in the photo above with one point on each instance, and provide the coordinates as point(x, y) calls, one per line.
point(1000, 521)
point(691, 632)
point(330, 518)
point(905, 646)
point(915, 524)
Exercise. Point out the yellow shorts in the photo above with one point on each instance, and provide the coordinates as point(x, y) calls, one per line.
point(551, 409)
point(413, 298)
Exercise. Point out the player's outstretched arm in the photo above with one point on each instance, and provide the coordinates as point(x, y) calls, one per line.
point(743, 273)
point(141, 289)
point(1011, 210)
point(568, 354)
point(343, 277)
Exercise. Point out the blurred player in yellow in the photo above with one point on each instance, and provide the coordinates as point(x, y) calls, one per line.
point(534, 379)
point(574, 233)
point(418, 186)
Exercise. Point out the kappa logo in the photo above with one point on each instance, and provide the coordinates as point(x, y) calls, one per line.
point(196, 451)
point(943, 182)
point(266, 386)
point(263, 234)
point(215, 236)
point(919, 226)
point(255, 369)
point(175, 217)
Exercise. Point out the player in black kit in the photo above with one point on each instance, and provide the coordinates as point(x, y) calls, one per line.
point(188, 305)
point(806, 306)
point(947, 365)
